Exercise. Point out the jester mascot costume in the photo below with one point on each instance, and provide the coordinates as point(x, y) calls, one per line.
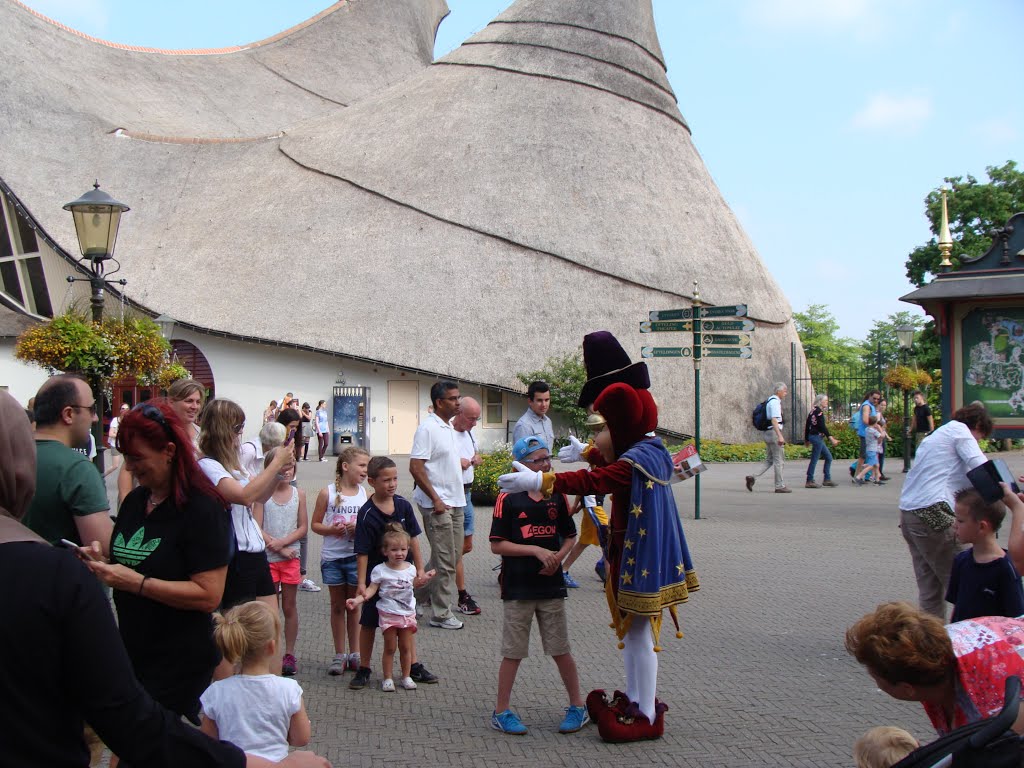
point(649, 566)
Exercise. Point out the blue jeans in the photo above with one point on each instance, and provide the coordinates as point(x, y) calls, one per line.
point(818, 448)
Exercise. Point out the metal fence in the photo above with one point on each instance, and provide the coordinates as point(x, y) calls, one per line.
point(844, 385)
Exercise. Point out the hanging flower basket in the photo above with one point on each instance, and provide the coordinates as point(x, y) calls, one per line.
point(115, 348)
point(906, 379)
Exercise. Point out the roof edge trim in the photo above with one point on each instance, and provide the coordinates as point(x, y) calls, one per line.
point(189, 51)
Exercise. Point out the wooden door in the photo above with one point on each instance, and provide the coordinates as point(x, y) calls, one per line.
point(403, 415)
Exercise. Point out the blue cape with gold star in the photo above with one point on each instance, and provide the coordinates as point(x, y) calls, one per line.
point(656, 571)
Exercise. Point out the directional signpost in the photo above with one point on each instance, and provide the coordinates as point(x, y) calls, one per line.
point(707, 342)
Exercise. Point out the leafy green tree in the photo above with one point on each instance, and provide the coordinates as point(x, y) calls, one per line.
point(566, 376)
point(883, 336)
point(975, 209)
point(817, 328)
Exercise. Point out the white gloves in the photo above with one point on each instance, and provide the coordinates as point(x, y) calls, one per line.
point(573, 451)
point(522, 479)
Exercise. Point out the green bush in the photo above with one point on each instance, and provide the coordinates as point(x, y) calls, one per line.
point(485, 477)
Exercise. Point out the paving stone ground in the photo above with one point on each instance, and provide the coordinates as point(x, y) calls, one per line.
point(760, 678)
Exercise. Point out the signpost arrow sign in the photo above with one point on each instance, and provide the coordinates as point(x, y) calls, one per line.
point(733, 310)
point(660, 326)
point(744, 324)
point(649, 352)
point(741, 339)
point(742, 352)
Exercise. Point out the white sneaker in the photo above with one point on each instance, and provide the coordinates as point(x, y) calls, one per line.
point(308, 586)
point(388, 686)
point(407, 683)
point(450, 623)
point(323, 460)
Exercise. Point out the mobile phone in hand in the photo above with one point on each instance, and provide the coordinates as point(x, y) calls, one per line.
point(81, 551)
point(291, 436)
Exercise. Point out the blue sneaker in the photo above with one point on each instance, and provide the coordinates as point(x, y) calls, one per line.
point(575, 719)
point(570, 582)
point(509, 722)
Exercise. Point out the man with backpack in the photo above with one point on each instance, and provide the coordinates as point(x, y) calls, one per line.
point(768, 420)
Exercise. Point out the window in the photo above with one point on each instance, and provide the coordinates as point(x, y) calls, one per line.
point(494, 415)
point(22, 278)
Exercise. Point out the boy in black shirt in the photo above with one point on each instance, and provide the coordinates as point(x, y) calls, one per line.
point(383, 507)
point(533, 535)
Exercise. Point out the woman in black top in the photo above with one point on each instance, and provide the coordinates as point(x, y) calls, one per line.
point(168, 559)
point(815, 434)
point(66, 662)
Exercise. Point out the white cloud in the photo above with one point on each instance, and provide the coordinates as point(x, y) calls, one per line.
point(895, 114)
point(997, 130)
point(89, 16)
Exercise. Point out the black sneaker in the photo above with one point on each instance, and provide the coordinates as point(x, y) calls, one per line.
point(361, 680)
point(468, 605)
point(419, 674)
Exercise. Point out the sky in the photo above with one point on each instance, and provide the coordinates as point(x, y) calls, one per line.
point(825, 123)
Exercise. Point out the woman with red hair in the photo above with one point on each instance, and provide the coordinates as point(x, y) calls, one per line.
point(169, 555)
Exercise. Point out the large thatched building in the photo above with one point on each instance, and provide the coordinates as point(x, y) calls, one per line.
point(331, 198)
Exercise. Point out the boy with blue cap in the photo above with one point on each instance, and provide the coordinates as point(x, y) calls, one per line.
point(533, 534)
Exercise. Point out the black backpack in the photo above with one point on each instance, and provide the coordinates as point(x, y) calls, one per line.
point(760, 416)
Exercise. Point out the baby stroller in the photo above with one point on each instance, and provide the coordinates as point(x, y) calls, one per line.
point(984, 744)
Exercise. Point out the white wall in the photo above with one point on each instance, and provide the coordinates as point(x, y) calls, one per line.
point(254, 374)
point(21, 381)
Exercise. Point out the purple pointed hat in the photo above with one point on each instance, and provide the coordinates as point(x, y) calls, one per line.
point(607, 363)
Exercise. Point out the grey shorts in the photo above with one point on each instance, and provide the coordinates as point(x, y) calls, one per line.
point(551, 621)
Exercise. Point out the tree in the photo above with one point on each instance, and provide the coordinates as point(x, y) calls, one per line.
point(566, 376)
point(883, 335)
point(817, 329)
point(975, 209)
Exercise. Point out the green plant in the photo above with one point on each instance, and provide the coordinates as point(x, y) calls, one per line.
point(485, 476)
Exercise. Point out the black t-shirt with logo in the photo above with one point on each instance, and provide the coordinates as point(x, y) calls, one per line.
point(521, 520)
point(171, 649)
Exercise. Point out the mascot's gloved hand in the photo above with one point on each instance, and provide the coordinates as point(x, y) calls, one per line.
point(523, 479)
point(573, 451)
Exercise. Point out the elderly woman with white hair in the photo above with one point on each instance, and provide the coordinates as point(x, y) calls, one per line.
point(815, 434)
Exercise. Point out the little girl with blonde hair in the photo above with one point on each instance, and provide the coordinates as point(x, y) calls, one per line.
point(255, 710)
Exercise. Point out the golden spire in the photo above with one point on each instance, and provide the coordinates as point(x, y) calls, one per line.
point(945, 241)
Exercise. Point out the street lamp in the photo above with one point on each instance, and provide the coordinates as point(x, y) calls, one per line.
point(166, 324)
point(97, 217)
point(905, 337)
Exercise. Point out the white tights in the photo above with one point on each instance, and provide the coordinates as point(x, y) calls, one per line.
point(641, 665)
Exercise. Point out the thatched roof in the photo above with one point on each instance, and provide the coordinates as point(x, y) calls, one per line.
point(472, 219)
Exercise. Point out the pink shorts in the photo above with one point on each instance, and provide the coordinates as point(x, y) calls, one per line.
point(286, 572)
point(396, 621)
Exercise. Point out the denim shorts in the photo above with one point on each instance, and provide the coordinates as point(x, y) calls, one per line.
point(467, 527)
point(337, 573)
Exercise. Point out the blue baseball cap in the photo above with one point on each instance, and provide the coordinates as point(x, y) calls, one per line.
point(527, 445)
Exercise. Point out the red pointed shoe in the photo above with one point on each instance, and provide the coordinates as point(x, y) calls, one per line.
point(598, 701)
point(631, 725)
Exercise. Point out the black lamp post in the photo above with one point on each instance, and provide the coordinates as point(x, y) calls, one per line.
point(905, 337)
point(97, 216)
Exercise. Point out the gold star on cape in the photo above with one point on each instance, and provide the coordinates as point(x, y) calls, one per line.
point(680, 569)
point(627, 578)
point(645, 573)
point(650, 484)
point(631, 561)
point(643, 532)
point(636, 510)
point(628, 544)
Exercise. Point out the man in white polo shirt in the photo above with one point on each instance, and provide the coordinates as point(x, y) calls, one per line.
point(436, 466)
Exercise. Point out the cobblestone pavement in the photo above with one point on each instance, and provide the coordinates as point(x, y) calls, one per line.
point(760, 678)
